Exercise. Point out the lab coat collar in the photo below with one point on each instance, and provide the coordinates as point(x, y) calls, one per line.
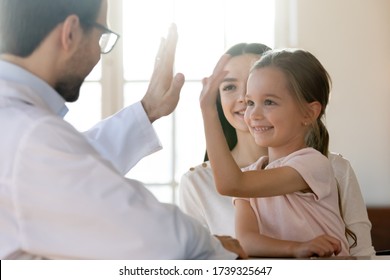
point(31, 89)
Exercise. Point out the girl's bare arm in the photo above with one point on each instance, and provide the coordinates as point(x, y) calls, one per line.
point(258, 245)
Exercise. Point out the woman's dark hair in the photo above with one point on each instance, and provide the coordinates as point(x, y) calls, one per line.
point(236, 50)
point(308, 81)
point(24, 24)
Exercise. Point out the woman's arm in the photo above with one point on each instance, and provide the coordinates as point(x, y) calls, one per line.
point(190, 200)
point(258, 245)
point(353, 207)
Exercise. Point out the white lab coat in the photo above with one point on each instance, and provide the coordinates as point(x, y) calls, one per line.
point(64, 196)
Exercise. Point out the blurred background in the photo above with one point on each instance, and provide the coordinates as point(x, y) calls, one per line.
point(350, 37)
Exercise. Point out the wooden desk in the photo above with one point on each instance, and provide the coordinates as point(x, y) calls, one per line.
point(380, 232)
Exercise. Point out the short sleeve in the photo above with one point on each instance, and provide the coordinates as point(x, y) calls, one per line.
point(314, 168)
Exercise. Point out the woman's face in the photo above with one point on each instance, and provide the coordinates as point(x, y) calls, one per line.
point(233, 89)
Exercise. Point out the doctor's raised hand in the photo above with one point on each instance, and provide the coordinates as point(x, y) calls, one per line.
point(164, 88)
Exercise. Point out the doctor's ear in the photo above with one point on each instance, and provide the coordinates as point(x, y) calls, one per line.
point(71, 33)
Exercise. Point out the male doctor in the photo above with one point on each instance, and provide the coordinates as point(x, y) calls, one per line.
point(63, 195)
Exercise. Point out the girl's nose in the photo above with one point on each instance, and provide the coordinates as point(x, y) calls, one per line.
point(254, 113)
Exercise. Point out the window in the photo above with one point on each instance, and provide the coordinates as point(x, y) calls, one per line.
point(206, 29)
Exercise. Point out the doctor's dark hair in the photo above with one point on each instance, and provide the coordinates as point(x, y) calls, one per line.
point(228, 130)
point(24, 24)
point(308, 81)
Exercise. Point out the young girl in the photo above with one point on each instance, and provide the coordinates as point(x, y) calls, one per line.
point(287, 94)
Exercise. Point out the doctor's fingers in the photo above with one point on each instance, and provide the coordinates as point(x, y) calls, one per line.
point(165, 57)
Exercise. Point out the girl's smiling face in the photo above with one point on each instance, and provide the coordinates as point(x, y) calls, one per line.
point(273, 115)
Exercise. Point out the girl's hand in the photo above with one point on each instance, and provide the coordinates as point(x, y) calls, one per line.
point(322, 246)
point(208, 96)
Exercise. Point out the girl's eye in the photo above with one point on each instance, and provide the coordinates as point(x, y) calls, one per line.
point(249, 103)
point(268, 102)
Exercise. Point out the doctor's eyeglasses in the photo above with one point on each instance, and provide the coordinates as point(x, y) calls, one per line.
point(108, 38)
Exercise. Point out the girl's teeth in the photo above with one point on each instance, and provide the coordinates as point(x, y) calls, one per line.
point(262, 128)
